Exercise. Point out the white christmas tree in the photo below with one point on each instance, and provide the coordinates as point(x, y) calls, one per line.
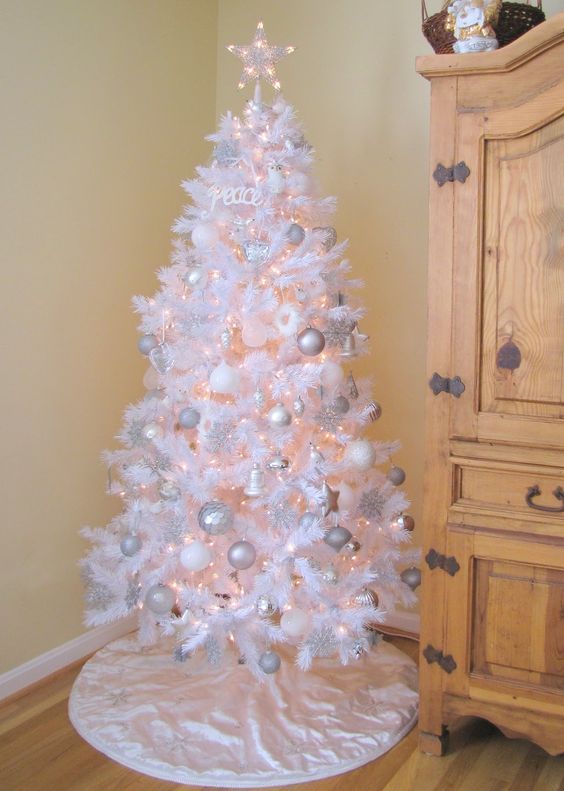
point(254, 512)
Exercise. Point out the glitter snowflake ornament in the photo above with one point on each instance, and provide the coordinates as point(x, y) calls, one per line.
point(371, 504)
point(259, 59)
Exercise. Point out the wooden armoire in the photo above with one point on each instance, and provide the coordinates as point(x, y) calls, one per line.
point(492, 631)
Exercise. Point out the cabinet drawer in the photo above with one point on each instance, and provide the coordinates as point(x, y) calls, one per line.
point(507, 489)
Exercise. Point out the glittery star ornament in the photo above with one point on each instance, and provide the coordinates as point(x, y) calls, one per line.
point(259, 59)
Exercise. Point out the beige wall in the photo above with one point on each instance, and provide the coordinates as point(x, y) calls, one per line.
point(104, 108)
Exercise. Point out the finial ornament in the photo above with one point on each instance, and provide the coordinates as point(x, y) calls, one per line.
point(259, 59)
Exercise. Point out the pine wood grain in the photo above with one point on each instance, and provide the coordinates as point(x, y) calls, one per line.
point(40, 751)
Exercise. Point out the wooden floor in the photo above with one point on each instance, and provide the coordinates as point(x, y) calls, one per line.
point(40, 751)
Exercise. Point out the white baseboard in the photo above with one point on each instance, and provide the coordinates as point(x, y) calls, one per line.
point(44, 665)
point(406, 621)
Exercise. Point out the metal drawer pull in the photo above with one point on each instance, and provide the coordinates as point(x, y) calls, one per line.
point(534, 491)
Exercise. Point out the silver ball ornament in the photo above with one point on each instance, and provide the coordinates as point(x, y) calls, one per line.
point(341, 405)
point(396, 475)
point(336, 537)
point(195, 276)
point(279, 416)
point(152, 431)
point(352, 546)
point(265, 605)
point(296, 234)
point(366, 598)
point(146, 343)
point(278, 463)
point(311, 342)
point(215, 518)
point(189, 417)
point(160, 599)
point(269, 662)
point(404, 522)
point(330, 575)
point(241, 555)
point(130, 544)
point(411, 577)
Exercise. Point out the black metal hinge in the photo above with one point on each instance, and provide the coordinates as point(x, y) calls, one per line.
point(435, 560)
point(458, 172)
point(446, 663)
point(442, 384)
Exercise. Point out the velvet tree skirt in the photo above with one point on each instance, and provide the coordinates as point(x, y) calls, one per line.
point(217, 726)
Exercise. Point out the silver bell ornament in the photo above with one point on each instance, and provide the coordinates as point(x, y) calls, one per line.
point(336, 537)
point(404, 522)
point(215, 518)
point(411, 577)
point(349, 347)
point(265, 605)
point(160, 599)
point(189, 417)
point(241, 555)
point(311, 342)
point(295, 234)
point(130, 544)
point(168, 490)
point(255, 487)
point(396, 475)
point(269, 662)
point(147, 343)
point(298, 406)
point(279, 416)
point(278, 463)
point(341, 405)
point(366, 598)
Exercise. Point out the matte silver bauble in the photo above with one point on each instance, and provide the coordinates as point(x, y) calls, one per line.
point(269, 662)
point(168, 490)
point(146, 343)
point(352, 546)
point(307, 520)
point(265, 605)
point(189, 417)
point(241, 555)
point(296, 234)
point(336, 537)
point(411, 577)
point(341, 405)
point(278, 463)
point(130, 544)
point(255, 487)
point(396, 475)
point(160, 599)
point(404, 522)
point(366, 598)
point(215, 518)
point(298, 406)
point(279, 416)
point(311, 342)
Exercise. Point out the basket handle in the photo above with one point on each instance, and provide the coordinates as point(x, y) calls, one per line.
point(425, 13)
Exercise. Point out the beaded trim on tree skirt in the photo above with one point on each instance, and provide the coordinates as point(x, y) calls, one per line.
point(218, 726)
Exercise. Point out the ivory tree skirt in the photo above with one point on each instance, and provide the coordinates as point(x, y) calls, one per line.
point(217, 726)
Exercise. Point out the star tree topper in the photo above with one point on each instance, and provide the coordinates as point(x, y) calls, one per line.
point(259, 59)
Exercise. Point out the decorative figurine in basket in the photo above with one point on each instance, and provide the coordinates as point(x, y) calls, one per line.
point(471, 22)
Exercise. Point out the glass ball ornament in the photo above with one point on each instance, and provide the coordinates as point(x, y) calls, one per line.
point(153, 431)
point(295, 234)
point(254, 333)
point(130, 544)
point(146, 343)
point(188, 417)
point(294, 622)
point(311, 342)
point(168, 490)
point(411, 577)
point(341, 405)
point(205, 236)
point(215, 518)
point(396, 475)
point(224, 379)
point(196, 556)
point(269, 662)
point(336, 537)
point(241, 555)
point(265, 605)
point(366, 598)
point(330, 575)
point(404, 522)
point(279, 416)
point(160, 599)
point(360, 454)
point(331, 375)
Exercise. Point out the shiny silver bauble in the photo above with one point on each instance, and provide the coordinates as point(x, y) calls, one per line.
point(404, 522)
point(366, 598)
point(352, 547)
point(279, 416)
point(311, 342)
point(265, 605)
point(215, 518)
point(278, 463)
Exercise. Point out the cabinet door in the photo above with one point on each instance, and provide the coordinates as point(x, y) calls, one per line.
point(509, 262)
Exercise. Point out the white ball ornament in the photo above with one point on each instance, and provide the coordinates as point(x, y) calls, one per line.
point(331, 374)
point(225, 379)
point(160, 599)
point(294, 622)
point(152, 431)
point(254, 332)
point(196, 556)
point(360, 454)
point(279, 416)
point(205, 236)
point(147, 343)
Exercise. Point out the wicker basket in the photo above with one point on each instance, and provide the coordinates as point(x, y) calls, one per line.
point(514, 20)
